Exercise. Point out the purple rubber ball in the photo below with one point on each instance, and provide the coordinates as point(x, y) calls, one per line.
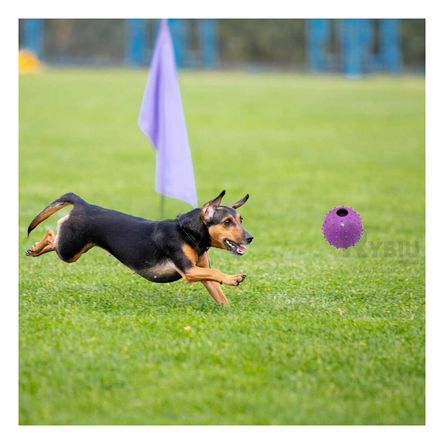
point(342, 227)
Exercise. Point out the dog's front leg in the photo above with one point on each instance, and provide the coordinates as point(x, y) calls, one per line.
point(213, 287)
point(187, 266)
point(197, 274)
point(197, 269)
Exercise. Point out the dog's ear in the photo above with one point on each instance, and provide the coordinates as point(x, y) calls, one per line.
point(209, 208)
point(240, 202)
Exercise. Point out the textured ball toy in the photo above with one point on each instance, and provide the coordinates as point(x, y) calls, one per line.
point(342, 227)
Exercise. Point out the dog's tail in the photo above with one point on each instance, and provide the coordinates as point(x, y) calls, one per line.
point(58, 204)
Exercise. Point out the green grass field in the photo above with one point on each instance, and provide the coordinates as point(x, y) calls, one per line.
point(313, 336)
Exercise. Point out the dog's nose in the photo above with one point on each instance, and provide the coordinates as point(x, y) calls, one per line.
point(249, 239)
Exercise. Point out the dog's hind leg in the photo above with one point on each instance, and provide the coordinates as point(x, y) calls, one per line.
point(46, 245)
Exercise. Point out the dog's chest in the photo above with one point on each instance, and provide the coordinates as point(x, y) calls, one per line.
point(162, 272)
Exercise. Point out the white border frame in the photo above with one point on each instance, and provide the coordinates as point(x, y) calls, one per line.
point(226, 9)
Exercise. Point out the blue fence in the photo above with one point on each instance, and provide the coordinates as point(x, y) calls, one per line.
point(351, 46)
point(137, 41)
point(365, 45)
point(33, 36)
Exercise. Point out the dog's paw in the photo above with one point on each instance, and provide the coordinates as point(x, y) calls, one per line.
point(235, 279)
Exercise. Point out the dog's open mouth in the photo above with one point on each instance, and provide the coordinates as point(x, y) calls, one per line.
point(234, 247)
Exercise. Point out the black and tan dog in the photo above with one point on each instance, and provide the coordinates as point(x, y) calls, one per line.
point(160, 251)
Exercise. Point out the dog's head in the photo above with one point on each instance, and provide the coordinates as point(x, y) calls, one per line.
point(224, 225)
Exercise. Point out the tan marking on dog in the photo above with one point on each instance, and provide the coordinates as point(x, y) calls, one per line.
point(219, 232)
point(199, 274)
point(44, 246)
point(59, 226)
point(76, 257)
point(214, 288)
point(47, 212)
point(190, 253)
point(61, 220)
point(162, 268)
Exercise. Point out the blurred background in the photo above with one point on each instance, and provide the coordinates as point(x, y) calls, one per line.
point(351, 46)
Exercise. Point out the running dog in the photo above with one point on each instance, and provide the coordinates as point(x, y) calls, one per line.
point(160, 251)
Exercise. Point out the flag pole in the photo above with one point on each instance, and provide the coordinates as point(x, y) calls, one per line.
point(162, 206)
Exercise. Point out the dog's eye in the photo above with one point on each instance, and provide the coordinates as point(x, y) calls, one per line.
point(227, 222)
